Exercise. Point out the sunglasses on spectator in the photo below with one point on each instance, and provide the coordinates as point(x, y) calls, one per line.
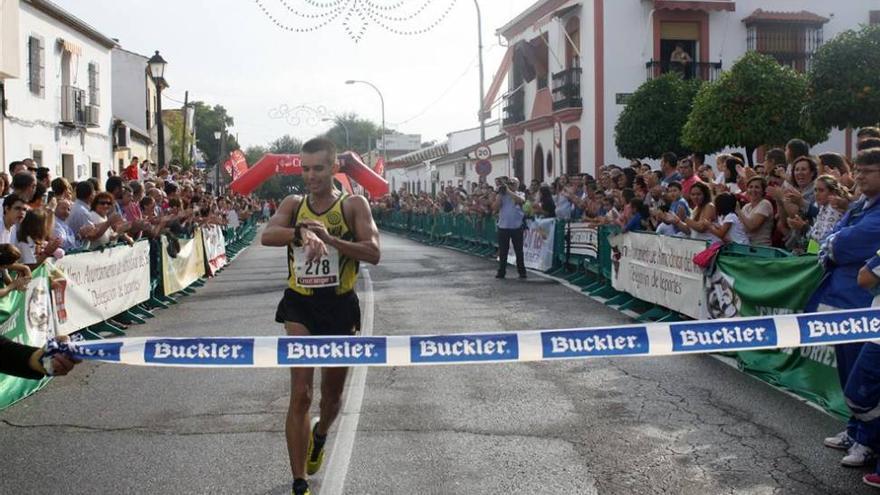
point(105, 202)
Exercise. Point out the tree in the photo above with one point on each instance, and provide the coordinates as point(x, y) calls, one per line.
point(209, 120)
point(285, 145)
point(844, 88)
point(173, 121)
point(362, 133)
point(651, 124)
point(757, 102)
point(253, 154)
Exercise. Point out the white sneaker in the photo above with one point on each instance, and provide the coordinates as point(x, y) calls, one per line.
point(858, 455)
point(841, 441)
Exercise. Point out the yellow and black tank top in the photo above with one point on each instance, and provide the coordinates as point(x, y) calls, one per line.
point(334, 221)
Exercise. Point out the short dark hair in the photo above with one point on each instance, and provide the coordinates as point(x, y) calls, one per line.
point(171, 188)
point(674, 184)
point(60, 186)
point(798, 148)
point(669, 157)
point(23, 180)
point(14, 164)
point(113, 183)
point(9, 201)
point(834, 160)
point(868, 132)
point(84, 190)
point(699, 156)
point(725, 203)
point(865, 157)
point(777, 155)
point(317, 145)
point(869, 143)
point(43, 173)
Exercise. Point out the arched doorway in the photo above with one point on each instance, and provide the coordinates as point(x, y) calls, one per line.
point(549, 164)
point(573, 150)
point(538, 165)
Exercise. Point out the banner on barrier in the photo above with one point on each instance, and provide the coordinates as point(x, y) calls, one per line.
point(100, 284)
point(660, 269)
point(215, 248)
point(584, 239)
point(188, 266)
point(537, 244)
point(652, 339)
point(752, 287)
point(27, 319)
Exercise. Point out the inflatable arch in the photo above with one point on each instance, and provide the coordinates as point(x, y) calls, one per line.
point(272, 164)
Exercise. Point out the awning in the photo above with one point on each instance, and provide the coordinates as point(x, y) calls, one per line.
point(801, 17)
point(704, 5)
point(70, 47)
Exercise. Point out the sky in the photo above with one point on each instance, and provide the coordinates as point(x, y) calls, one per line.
point(229, 52)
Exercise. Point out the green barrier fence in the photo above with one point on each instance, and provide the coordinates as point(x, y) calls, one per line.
point(809, 373)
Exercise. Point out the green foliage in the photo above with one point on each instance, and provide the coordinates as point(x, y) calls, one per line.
point(285, 145)
point(362, 133)
point(757, 102)
point(651, 124)
point(208, 120)
point(845, 82)
point(173, 121)
point(253, 154)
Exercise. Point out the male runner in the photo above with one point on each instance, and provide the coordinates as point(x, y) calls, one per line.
point(327, 234)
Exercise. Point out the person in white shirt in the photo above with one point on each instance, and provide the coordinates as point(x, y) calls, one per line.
point(14, 209)
point(729, 227)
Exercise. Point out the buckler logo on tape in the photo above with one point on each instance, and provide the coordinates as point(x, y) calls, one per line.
point(212, 351)
point(330, 350)
point(464, 348)
point(97, 350)
point(838, 327)
point(688, 337)
point(598, 342)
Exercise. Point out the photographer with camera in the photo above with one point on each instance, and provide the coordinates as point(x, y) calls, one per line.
point(508, 206)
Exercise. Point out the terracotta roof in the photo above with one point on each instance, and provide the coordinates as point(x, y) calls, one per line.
point(801, 17)
point(704, 5)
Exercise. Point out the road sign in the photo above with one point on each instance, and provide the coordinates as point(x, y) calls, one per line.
point(483, 153)
point(483, 168)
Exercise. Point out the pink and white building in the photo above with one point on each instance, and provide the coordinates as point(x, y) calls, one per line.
point(571, 64)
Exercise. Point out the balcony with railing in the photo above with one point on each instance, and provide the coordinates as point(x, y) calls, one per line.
point(567, 89)
point(514, 107)
point(705, 71)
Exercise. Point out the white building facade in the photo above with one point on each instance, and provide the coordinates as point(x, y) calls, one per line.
point(134, 108)
point(571, 64)
point(58, 110)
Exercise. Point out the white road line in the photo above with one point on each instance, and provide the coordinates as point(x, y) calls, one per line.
point(339, 453)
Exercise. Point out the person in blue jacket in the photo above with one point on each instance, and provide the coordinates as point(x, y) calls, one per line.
point(863, 388)
point(856, 238)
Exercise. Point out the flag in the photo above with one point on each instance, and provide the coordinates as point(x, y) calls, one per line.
point(236, 165)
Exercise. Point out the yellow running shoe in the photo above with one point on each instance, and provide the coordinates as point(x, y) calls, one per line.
point(314, 457)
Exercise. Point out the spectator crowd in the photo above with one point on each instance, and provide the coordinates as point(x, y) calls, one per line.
point(794, 200)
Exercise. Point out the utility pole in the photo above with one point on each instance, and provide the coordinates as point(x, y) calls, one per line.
point(480, 45)
point(185, 126)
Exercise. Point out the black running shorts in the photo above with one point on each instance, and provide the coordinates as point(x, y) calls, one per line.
point(323, 314)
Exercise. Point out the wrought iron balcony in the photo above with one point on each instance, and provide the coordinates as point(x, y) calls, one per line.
point(706, 71)
point(567, 89)
point(514, 107)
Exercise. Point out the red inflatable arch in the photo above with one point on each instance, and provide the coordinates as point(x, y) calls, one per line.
point(350, 166)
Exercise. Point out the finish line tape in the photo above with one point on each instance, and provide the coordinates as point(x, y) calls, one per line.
point(652, 339)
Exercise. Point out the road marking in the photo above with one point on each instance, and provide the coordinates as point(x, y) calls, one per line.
point(339, 454)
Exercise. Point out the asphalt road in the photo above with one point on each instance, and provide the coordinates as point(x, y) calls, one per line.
point(678, 425)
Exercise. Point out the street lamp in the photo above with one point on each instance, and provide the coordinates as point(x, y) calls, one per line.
point(221, 137)
point(340, 123)
point(382, 100)
point(156, 66)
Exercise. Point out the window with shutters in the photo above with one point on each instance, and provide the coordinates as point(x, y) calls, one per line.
point(37, 66)
point(94, 85)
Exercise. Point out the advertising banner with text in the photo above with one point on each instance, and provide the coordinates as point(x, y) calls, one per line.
point(101, 284)
point(180, 271)
point(537, 244)
point(660, 270)
point(215, 248)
